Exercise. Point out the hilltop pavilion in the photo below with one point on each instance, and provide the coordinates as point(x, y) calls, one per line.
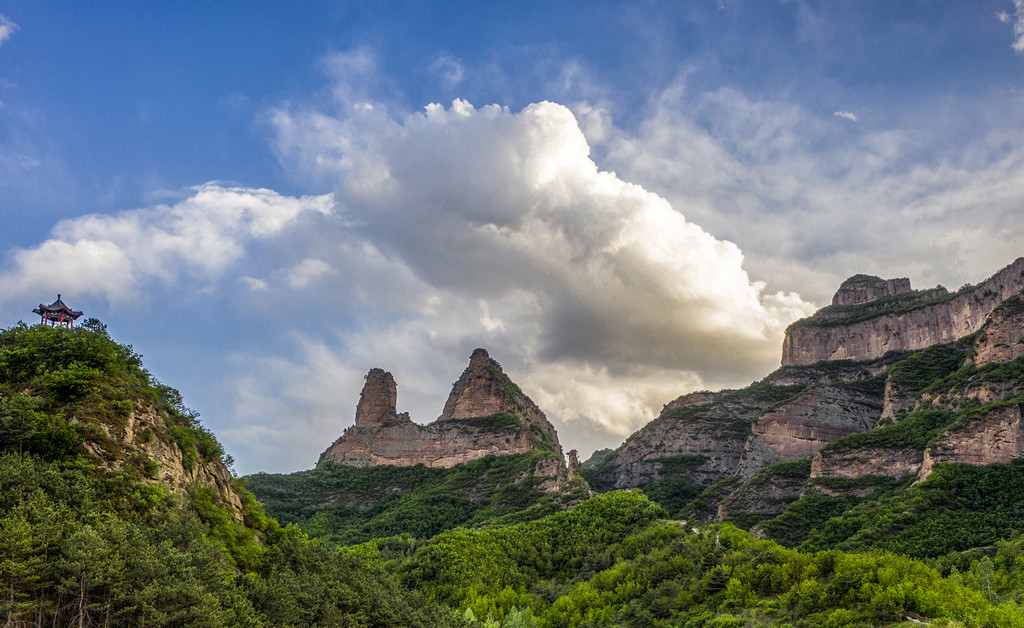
point(57, 313)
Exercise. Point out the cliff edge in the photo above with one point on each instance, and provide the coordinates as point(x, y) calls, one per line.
point(870, 317)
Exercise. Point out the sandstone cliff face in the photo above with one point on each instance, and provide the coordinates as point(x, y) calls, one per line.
point(898, 401)
point(854, 464)
point(996, 437)
point(799, 428)
point(378, 400)
point(714, 430)
point(717, 426)
point(765, 494)
point(486, 414)
point(480, 391)
point(906, 329)
point(838, 379)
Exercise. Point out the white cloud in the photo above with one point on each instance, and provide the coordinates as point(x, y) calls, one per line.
point(198, 237)
point(450, 69)
point(849, 115)
point(1018, 23)
point(7, 29)
point(308, 270)
point(811, 203)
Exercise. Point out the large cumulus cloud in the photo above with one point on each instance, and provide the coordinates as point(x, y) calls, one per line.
point(596, 290)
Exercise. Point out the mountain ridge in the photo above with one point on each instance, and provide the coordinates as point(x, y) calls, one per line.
point(852, 427)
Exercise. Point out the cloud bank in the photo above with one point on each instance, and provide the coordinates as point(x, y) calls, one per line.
point(1018, 23)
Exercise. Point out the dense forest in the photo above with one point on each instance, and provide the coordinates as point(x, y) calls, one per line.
point(95, 529)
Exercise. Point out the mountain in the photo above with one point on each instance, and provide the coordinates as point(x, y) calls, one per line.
point(79, 386)
point(491, 458)
point(486, 414)
point(116, 505)
point(876, 392)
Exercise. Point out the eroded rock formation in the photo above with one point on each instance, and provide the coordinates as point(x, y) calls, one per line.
point(486, 414)
point(840, 378)
point(1002, 337)
point(994, 437)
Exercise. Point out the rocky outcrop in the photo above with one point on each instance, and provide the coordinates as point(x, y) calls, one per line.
point(482, 390)
point(835, 382)
point(716, 427)
point(863, 462)
point(572, 464)
point(869, 330)
point(864, 288)
point(378, 400)
point(995, 437)
point(1002, 337)
point(143, 439)
point(799, 428)
point(897, 401)
point(713, 428)
point(486, 414)
point(764, 495)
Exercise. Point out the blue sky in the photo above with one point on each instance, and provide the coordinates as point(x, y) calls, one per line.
point(622, 201)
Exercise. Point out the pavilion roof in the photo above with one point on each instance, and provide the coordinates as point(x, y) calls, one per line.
point(57, 307)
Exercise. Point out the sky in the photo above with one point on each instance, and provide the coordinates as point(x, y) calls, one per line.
point(622, 201)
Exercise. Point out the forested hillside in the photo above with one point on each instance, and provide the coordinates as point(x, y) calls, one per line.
point(95, 532)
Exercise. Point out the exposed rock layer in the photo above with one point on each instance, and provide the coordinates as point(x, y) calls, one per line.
point(996, 437)
point(1002, 338)
point(144, 434)
point(815, 398)
point(853, 464)
point(378, 400)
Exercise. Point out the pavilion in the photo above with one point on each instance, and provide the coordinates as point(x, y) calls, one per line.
point(57, 313)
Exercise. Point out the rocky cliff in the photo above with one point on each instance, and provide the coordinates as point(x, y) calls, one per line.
point(867, 320)
point(146, 439)
point(485, 414)
point(913, 379)
point(787, 415)
point(800, 427)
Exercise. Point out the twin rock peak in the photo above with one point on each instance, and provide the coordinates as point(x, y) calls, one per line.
point(486, 414)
